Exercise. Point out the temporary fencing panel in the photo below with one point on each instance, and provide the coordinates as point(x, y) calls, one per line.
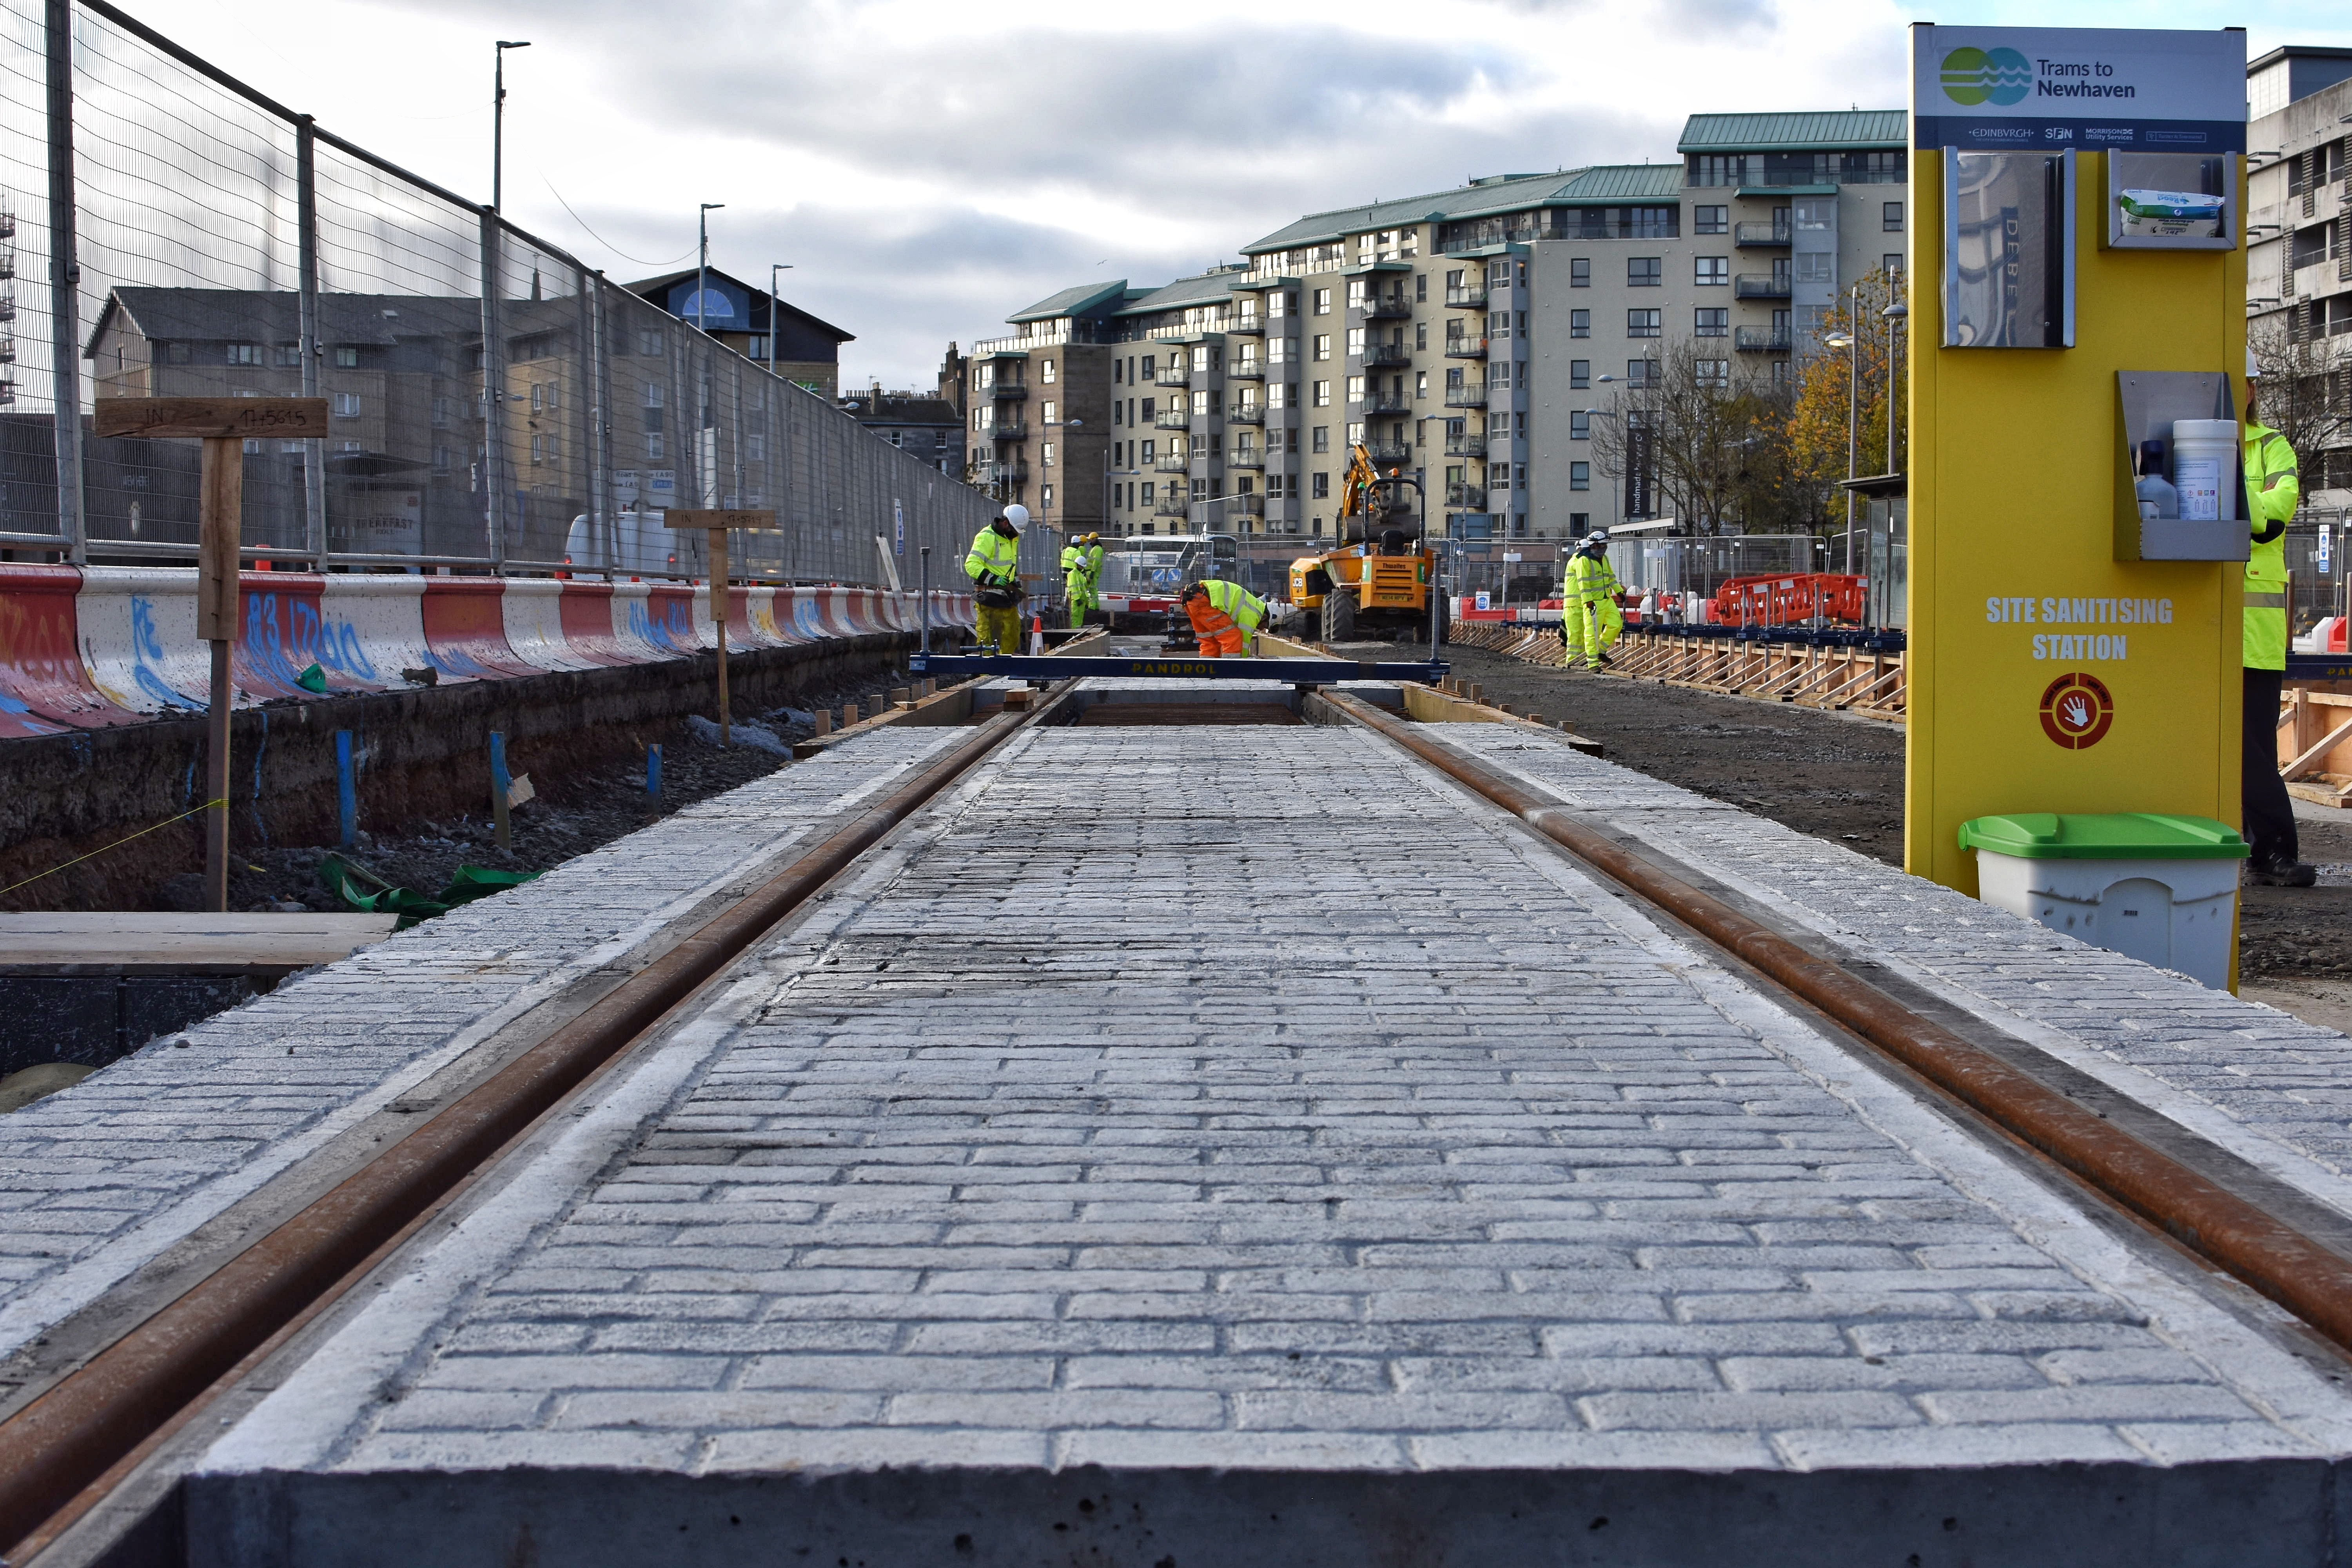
point(490, 398)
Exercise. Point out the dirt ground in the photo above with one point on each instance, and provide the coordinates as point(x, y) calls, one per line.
point(570, 814)
point(1841, 778)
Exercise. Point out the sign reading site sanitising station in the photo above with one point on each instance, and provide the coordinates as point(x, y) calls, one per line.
point(1989, 89)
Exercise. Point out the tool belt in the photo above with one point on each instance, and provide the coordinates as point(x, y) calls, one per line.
point(998, 597)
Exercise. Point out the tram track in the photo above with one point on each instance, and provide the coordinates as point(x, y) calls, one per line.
point(63, 1450)
point(60, 1450)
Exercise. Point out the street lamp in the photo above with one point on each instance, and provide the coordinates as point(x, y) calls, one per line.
point(498, 122)
point(1893, 315)
point(774, 326)
point(702, 266)
point(1845, 341)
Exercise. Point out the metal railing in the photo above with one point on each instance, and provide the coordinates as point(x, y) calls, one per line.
point(1176, 373)
point(1464, 346)
point(1383, 403)
point(1172, 462)
point(1246, 326)
point(1173, 504)
point(1759, 285)
point(1760, 340)
point(1470, 298)
point(1778, 233)
point(1005, 430)
point(1384, 454)
point(1465, 446)
point(1004, 391)
point(1381, 356)
point(1465, 396)
point(499, 405)
point(1246, 413)
point(1244, 458)
point(1246, 370)
point(1386, 308)
point(1177, 418)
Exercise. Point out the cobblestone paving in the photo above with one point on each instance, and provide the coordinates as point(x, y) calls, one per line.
point(2272, 1078)
point(96, 1180)
point(1310, 1116)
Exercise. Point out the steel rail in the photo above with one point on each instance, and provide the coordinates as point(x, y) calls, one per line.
point(81, 1428)
point(2307, 1278)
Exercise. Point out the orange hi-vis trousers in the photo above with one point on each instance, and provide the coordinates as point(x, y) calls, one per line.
point(1220, 637)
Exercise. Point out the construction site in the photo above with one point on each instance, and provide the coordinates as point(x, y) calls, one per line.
point(790, 1008)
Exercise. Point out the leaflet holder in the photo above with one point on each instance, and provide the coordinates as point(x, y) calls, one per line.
point(2170, 201)
point(2148, 402)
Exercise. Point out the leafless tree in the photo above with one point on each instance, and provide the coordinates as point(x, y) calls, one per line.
point(2306, 392)
point(1696, 437)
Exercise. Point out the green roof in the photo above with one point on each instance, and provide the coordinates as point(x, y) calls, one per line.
point(1075, 301)
point(1202, 288)
point(1600, 185)
point(1823, 130)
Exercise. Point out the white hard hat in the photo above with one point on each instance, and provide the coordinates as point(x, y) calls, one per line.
point(2253, 370)
point(1017, 515)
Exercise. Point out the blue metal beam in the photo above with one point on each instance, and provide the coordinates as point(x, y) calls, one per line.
point(1294, 671)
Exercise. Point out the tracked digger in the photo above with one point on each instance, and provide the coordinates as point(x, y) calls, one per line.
point(1378, 579)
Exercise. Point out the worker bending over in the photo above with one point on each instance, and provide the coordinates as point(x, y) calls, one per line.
point(1590, 619)
point(2273, 488)
point(1082, 560)
point(1226, 617)
point(993, 567)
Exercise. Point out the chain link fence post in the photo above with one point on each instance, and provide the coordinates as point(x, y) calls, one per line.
point(494, 397)
point(65, 281)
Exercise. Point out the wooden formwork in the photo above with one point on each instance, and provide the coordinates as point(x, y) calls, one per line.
point(1855, 680)
point(2314, 742)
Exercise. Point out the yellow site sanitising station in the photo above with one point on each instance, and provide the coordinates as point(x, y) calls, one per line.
point(2078, 316)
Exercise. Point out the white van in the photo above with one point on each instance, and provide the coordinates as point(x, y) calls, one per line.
point(633, 545)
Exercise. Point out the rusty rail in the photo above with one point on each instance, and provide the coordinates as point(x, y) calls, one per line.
point(80, 1428)
point(2307, 1277)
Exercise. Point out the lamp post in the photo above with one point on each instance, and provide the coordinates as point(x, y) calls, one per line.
point(1893, 316)
point(1849, 341)
point(774, 302)
point(702, 266)
point(498, 123)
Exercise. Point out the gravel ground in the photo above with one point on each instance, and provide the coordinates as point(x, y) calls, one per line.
point(571, 815)
point(1839, 777)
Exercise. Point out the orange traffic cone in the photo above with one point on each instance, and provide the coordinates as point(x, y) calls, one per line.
point(1037, 632)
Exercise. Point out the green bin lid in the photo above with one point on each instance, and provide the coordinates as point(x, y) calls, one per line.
point(2116, 836)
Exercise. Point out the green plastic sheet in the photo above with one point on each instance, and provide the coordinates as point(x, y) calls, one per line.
point(365, 892)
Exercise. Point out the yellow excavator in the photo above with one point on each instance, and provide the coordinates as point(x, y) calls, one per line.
point(1381, 575)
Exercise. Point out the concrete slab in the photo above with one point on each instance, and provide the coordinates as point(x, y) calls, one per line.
point(1221, 1184)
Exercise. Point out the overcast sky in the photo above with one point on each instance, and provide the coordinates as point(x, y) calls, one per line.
point(928, 168)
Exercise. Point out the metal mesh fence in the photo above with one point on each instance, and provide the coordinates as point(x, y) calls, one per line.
point(493, 404)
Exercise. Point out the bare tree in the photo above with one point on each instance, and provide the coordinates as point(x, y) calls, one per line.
point(1693, 436)
point(2306, 390)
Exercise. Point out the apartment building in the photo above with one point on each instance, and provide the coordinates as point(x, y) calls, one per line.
point(1472, 336)
point(2299, 253)
point(1039, 408)
point(771, 333)
point(920, 424)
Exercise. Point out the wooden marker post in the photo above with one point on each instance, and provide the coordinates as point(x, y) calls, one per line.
point(717, 524)
point(223, 424)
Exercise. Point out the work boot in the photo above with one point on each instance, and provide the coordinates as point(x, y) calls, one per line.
point(2283, 874)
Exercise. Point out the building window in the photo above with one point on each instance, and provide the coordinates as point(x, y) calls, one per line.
point(1322, 395)
point(1580, 373)
point(1644, 272)
point(1641, 323)
point(538, 398)
point(1710, 220)
point(755, 448)
point(1711, 372)
point(1046, 495)
point(176, 352)
point(1420, 336)
point(650, 342)
point(653, 447)
point(1579, 523)
point(1150, 493)
point(1355, 342)
point(1045, 454)
point(1640, 373)
point(1322, 487)
point(538, 449)
point(347, 358)
point(1890, 217)
point(1321, 347)
point(1579, 323)
point(1711, 271)
point(1046, 411)
point(1580, 426)
point(289, 353)
point(1145, 449)
point(1355, 389)
point(1714, 323)
point(1579, 476)
point(345, 406)
point(1781, 376)
point(1579, 272)
point(1322, 301)
point(1321, 441)
point(244, 354)
point(1420, 288)
point(1420, 384)
point(1045, 373)
point(1892, 262)
point(440, 459)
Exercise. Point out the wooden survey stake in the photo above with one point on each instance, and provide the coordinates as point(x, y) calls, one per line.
point(716, 523)
point(223, 424)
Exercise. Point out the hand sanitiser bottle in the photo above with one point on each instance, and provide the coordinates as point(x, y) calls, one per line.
point(2157, 496)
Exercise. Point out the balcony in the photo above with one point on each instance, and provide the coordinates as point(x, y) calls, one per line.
point(1018, 430)
point(1177, 418)
point(1244, 506)
point(1465, 396)
point(1465, 346)
point(1004, 473)
point(1006, 391)
point(1756, 286)
point(1465, 446)
point(1246, 458)
point(1172, 462)
point(1246, 413)
point(1471, 496)
point(1760, 340)
point(1385, 403)
point(1177, 373)
point(1392, 355)
point(1246, 370)
point(1175, 504)
point(1392, 309)
point(1246, 326)
point(1471, 298)
point(1761, 233)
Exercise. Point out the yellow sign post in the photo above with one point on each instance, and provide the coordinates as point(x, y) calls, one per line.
point(2078, 313)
